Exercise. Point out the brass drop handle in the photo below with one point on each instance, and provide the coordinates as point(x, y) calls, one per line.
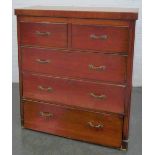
point(93, 125)
point(97, 68)
point(42, 61)
point(46, 115)
point(48, 89)
point(101, 37)
point(101, 97)
point(42, 33)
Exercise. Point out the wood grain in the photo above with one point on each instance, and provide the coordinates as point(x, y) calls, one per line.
point(105, 22)
point(116, 38)
point(44, 34)
point(82, 12)
point(80, 78)
point(129, 81)
point(67, 122)
point(72, 92)
point(75, 64)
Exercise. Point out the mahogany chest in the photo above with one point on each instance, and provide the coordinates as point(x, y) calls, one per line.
point(75, 71)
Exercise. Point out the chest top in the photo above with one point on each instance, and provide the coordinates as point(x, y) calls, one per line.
point(80, 12)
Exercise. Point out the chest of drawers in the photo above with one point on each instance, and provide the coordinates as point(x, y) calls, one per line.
point(75, 71)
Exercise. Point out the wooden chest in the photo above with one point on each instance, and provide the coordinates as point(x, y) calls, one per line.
point(75, 69)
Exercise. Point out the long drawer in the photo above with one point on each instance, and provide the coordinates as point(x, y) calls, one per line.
point(44, 34)
point(89, 95)
point(104, 129)
point(94, 66)
point(100, 38)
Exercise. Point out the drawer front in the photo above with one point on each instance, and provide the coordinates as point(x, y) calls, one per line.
point(105, 129)
point(76, 93)
point(75, 64)
point(44, 34)
point(104, 38)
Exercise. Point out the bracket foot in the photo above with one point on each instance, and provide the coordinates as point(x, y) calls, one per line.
point(124, 146)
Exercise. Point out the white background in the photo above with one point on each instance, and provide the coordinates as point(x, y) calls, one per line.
point(137, 68)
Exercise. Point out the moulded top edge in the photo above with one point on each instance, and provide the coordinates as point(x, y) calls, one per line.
point(80, 12)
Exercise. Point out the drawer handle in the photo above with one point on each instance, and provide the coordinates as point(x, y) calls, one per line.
point(43, 61)
point(48, 89)
point(97, 68)
point(42, 33)
point(46, 114)
point(95, 37)
point(98, 126)
point(101, 97)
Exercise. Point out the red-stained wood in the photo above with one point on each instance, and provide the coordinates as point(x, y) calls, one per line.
point(100, 128)
point(80, 12)
point(77, 93)
point(116, 38)
point(75, 64)
point(129, 81)
point(20, 72)
point(111, 23)
point(71, 50)
point(44, 34)
point(32, 19)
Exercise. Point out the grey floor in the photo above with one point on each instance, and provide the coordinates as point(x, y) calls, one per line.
point(27, 142)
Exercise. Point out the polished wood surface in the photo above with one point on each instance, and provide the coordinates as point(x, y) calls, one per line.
point(100, 38)
point(80, 12)
point(77, 62)
point(70, 92)
point(98, 128)
point(44, 34)
point(129, 81)
point(70, 64)
point(105, 22)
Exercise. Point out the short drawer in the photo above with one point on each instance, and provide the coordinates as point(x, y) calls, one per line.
point(105, 38)
point(43, 34)
point(93, 66)
point(94, 96)
point(99, 128)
